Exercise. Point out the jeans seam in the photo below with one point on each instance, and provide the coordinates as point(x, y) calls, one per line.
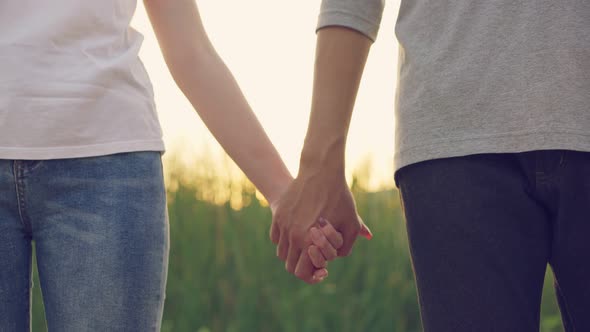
point(20, 198)
point(165, 264)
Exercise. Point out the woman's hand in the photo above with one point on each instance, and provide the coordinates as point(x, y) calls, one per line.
point(309, 197)
point(326, 242)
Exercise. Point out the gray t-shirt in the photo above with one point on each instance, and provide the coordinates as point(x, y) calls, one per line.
point(483, 76)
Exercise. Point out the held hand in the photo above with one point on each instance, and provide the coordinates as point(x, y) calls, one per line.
point(300, 206)
point(326, 240)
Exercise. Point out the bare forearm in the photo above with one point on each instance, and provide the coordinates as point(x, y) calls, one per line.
point(216, 96)
point(341, 54)
point(212, 90)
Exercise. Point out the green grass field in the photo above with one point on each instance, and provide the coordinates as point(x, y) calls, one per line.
point(224, 275)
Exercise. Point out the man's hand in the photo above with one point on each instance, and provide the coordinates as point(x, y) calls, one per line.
point(326, 241)
point(308, 198)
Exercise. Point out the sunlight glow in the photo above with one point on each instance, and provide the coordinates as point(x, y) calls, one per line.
point(269, 46)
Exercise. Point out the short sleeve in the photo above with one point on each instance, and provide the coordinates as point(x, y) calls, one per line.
point(361, 15)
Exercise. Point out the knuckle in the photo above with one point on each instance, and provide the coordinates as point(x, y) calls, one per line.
point(327, 231)
point(299, 275)
point(338, 239)
point(332, 235)
point(330, 255)
point(326, 248)
point(319, 263)
point(295, 236)
point(322, 242)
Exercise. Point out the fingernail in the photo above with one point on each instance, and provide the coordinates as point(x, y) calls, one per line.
point(321, 275)
point(322, 221)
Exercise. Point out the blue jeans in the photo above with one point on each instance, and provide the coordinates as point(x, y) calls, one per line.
point(101, 232)
point(482, 229)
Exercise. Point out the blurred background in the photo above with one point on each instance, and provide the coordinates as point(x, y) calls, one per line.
point(223, 273)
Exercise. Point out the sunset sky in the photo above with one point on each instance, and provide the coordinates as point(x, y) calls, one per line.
point(269, 47)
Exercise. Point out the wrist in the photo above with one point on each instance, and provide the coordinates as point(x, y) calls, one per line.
point(324, 173)
point(323, 179)
point(327, 161)
point(277, 187)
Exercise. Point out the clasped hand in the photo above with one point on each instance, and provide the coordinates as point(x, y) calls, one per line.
point(315, 221)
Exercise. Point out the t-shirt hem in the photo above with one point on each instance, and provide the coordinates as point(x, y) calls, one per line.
point(499, 144)
point(81, 151)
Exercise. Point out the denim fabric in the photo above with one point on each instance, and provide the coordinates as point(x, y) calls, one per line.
point(482, 229)
point(101, 232)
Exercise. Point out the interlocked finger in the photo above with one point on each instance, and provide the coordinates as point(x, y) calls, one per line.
point(321, 241)
point(316, 256)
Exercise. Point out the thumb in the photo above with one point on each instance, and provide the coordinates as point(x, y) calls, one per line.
point(365, 231)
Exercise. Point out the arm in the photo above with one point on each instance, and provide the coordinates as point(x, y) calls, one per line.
point(208, 84)
point(212, 90)
point(340, 59)
point(320, 188)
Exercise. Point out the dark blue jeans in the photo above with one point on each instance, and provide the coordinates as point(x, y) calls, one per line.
point(101, 232)
point(482, 229)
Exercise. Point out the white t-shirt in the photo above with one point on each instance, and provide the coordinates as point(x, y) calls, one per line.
point(71, 82)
